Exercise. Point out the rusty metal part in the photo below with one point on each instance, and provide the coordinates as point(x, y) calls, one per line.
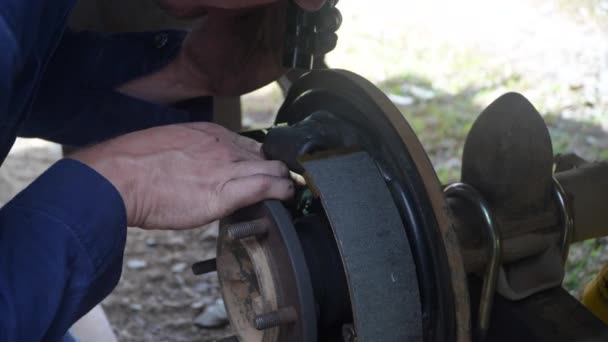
point(494, 252)
point(243, 230)
point(262, 274)
point(586, 187)
point(379, 267)
point(549, 316)
point(324, 267)
point(416, 190)
point(514, 248)
point(508, 159)
point(275, 318)
point(329, 111)
point(507, 129)
point(467, 223)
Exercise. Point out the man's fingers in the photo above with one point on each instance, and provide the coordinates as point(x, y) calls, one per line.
point(243, 192)
point(311, 5)
point(251, 146)
point(248, 168)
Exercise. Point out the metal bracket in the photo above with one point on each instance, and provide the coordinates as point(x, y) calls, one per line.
point(468, 193)
point(566, 217)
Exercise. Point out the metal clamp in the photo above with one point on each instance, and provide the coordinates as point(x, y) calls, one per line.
point(566, 217)
point(470, 194)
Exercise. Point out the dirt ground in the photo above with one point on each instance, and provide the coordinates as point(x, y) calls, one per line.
point(556, 54)
point(159, 301)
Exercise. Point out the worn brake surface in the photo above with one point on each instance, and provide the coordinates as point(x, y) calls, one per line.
point(374, 248)
point(375, 200)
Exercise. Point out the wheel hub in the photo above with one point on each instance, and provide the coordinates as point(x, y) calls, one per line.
point(332, 113)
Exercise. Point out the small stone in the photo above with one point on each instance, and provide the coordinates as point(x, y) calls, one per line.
point(401, 100)
point(421, 93)
point(136, 307)
point(156, 275)
point(199, 304)
point(210, 232)
point(172, 303)
point(136, 264)
point(151, 242)
point(204, 302)
point(202, 287)
point(213, 317)
point(176, 240)
point(179, 267)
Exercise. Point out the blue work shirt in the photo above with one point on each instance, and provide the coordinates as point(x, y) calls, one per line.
point(62, 238)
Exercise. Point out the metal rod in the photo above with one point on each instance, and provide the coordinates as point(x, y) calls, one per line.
point(513, 249)
point(275, 318)
point(566, 217)
point(242, 230)
point(490, 278)
point(587, 186)
point(204, 267)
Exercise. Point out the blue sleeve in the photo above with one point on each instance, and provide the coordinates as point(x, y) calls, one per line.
point(61, 250)
point(76, 103)
point(9, 66)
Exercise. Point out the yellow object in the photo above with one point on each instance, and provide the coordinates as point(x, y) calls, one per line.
point(595, 296)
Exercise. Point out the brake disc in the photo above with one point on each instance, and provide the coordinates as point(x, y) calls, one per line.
point(389, 261)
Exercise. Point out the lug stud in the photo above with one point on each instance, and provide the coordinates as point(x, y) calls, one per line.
point(247, 229)
point(275, 318)
point(204, 267)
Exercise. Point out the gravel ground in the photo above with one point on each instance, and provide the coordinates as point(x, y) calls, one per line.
point(441, 63)
point(158, 297)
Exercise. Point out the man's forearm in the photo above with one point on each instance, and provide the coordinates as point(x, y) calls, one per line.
point(78, 103)
point(61, 249)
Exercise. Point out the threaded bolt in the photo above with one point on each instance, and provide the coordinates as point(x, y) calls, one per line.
point(275, 318)
point(247, 229)
point(204, 267)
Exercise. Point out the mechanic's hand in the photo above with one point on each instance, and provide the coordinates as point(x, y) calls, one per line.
point(187, 175)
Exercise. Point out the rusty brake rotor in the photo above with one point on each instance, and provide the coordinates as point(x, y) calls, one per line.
point(328, 113)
